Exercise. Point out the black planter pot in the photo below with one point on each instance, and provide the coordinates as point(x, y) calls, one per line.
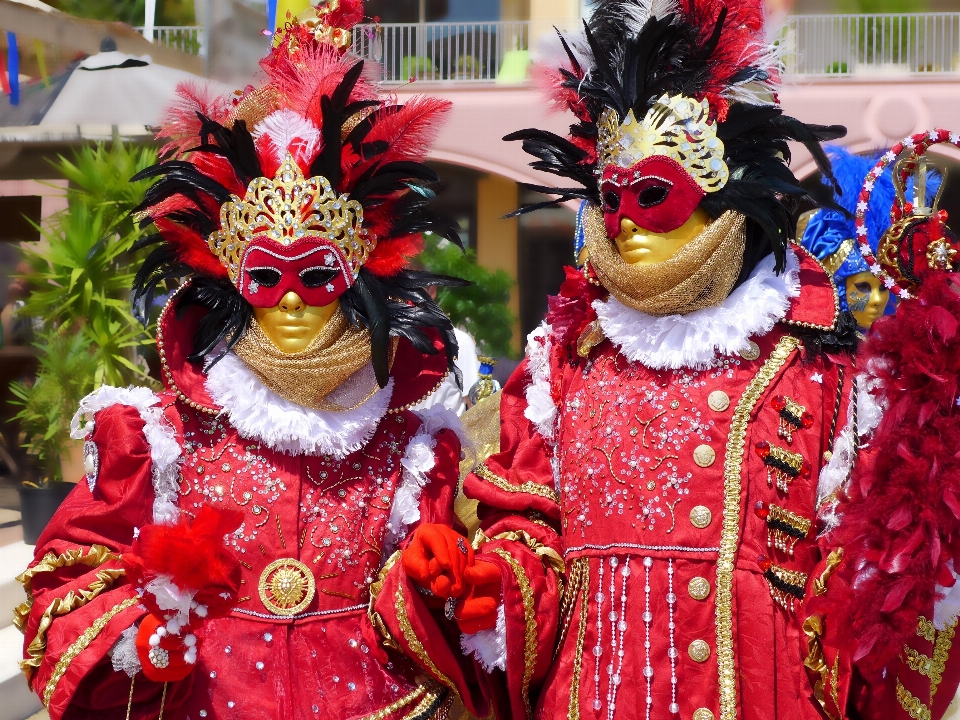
point(37, 506)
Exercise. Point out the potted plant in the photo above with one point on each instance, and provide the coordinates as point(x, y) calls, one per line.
point(81, 275)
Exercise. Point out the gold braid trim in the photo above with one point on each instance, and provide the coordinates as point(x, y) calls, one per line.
point(413, 642)
point(816, 663)
point(547, 555)
point(926, 629)
point(80, 644)
point(941, 653)
point(399, 704)
point(96, 556)
point(730, 532)
point(375, 589)
point(911, 704)
point(530, 488)
point(576, 578)
point(573, 712)
point(833, 561)
point(530, 631)
point(73, 600)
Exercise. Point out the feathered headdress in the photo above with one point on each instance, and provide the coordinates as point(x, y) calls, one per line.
point(831, 235)
point(312, 181)
point(691, 84)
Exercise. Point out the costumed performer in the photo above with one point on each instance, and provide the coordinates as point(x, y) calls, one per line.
point(881, 623)
point(218, 559)
point(669, 423)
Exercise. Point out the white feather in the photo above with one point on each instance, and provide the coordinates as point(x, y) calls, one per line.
point(285, 127)
point(540, 409)
point(488, 647)
point(259, 413)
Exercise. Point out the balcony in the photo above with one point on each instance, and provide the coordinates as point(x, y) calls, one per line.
point(882, 46)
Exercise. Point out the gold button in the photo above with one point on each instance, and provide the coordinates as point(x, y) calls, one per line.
point(699, 588)
point(700, 517)
point(751, 352)
point(702, 714)
point(718, 400)
point(704, 456)
point(699, 651)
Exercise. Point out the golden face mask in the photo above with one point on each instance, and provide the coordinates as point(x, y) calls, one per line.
point(867, 298)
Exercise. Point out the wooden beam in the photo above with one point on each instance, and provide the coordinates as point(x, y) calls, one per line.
point(82, 35)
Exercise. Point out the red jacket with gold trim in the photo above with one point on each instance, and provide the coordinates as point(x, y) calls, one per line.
point(676, 469)
point(325, 498)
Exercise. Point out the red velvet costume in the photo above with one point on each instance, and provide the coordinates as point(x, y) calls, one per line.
point(329, 514)
point(665, 465)
point(234, 529)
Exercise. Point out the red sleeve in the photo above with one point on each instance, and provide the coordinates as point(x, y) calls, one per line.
point(79, 601)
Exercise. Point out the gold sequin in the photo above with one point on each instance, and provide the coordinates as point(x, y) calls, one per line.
point(702, 714)
point(699, 651)
point(751, 352)
point(704, 456)
point(730, 532)
point(286, 587)
point(911, 704)
point(718, 400)
point(699, 588)
point(701, 517)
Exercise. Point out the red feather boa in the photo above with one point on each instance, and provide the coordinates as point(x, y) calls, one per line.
point(900, 523)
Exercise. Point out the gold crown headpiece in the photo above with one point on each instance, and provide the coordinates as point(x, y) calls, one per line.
point(677, 127)
point(288, 208)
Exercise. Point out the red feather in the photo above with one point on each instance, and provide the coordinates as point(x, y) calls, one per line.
point(181, 126)
point(901, 518)
point(191, 248)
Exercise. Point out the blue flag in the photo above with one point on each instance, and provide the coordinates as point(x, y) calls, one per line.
point(13, 68)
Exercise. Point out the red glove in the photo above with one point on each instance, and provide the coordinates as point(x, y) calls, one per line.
point(437, 559)
point(165, 657)
point(478, 610)
point(185, 574)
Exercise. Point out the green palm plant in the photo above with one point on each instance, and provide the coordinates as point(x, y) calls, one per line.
point(81, 275)
point(83, 269)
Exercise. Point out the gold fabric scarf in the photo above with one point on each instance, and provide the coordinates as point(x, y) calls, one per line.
point(307, 378)
point(700, 275)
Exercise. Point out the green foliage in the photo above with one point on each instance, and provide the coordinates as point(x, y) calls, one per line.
point(481, 309)
point(169, 12)
point(81, 275)
point(67, 368)
point(882, 6)
point(82, 270)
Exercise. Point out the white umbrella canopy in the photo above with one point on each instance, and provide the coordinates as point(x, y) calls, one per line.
point(111, 88)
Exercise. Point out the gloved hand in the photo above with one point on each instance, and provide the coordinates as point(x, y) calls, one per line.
point(436, 560)
point(185, 575)
point(478, 609)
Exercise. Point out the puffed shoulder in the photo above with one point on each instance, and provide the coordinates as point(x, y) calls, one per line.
point(124, 430)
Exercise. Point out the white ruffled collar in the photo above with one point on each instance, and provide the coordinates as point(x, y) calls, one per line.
point(260, 414)
point(697, 339)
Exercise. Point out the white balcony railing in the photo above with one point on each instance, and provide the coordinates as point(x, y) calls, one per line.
point(883, 45)
point(813, 46)
point(183, 38)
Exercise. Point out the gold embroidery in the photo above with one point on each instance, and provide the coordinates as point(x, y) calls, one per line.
point(731, 522)
point(917, 661)
point(833, 561)
point(573, 712)
point(547, 554)
point(926, 630)
point(80, 644)
point(286, 587)
point(401, 703)
point(96, 556)
point(579, 573)
point(815, 662)
point(911, 704)
point(941, 653)
point(530, 620)
point(73, 600)
point(413, 642)
point(375, 589)
point(484, 473)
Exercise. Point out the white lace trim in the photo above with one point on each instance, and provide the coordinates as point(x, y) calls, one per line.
point(418, 460)
point(835, 473)
point(164, 448)
point(123, 654)
point(260, 414)
point(488, 647)
point(695, 340)
point(540, 409)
